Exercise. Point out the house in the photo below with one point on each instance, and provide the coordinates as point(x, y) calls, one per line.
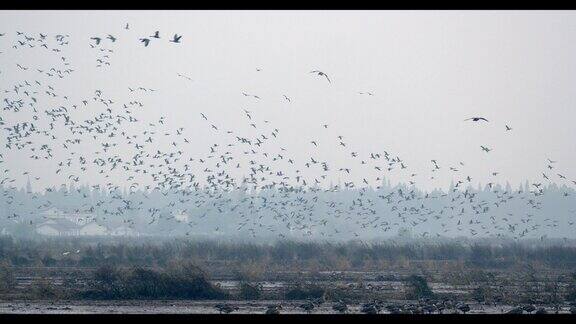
point(93, 229)
point(181, 217)
point(75, 217)
point(58, 227)
point(66, 227)
point(52, 213)
point(79, 218)
point(47, 229)
point(124, 231)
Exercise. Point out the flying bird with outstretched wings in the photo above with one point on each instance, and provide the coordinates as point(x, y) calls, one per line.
point(146, 41)
point(176, 38)
point(477, 119)
point(97, 39)
point(320, 73)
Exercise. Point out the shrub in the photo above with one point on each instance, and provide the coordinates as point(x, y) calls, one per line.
point(341, 292)
point(571, 295)
point(418, 288)
point(7, 279)
point(480, 294)
point(139, 283)
point(44, 288)
point(305, 292)
point(250, 291)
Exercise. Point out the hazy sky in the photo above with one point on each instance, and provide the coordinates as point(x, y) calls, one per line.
point(428, 71)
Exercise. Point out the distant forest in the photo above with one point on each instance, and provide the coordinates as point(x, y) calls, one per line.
point(311, 213)
point(283, 255)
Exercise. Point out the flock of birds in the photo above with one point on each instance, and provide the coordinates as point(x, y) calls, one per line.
point(37, 116)
point(104, 59)
point(145, 40)
point(422, 306)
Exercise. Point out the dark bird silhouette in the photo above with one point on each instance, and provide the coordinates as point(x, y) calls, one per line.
point(226, 308)
point(476, 119)
point(146, 41)
point(307, 306)
point(273, 309)
point(320, 73)
point(97, 39)
point(340, 307)
point(176, 38)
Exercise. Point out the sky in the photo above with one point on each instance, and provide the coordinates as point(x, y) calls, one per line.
point(428, 72)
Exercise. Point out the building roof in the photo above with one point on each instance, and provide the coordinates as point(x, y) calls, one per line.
point(92, 224)
point(61, 225)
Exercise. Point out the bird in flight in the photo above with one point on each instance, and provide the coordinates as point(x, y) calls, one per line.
point(112, 38)
point(97, 39)
point(485, 149)
point(186, 77)
point(146, 41)
point(508, 128)
point(156, 35)
point(285, 97)
point(127, 27)
point(176, 38)
point(476, 119)
point(320, 73)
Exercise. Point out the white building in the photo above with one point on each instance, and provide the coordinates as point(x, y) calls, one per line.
point(93, 229)
point(124, 231)
point(65, 227)
point(58, 227)
point(77, 218)
point(52, 213)
point(181, 216)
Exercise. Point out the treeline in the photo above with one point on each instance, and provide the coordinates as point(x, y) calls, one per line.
point(280, 255)
point(337, 215)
